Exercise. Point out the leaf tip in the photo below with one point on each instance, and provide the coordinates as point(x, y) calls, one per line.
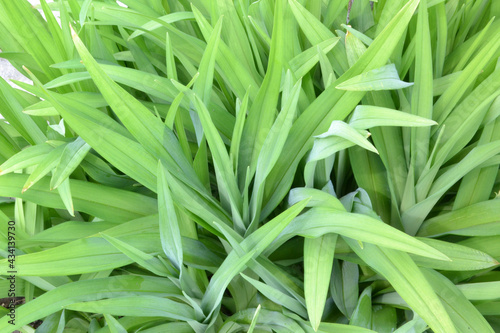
point(25, 188)
point(74, 35)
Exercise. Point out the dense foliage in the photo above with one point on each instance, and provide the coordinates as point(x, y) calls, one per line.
point(237, 166)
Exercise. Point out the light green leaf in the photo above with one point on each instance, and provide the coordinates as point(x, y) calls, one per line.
point(28, 157)
point(64, 191)
point(362, 314)
point(170, 234)
point(384, 78)
point(203, 85)
point(249, 248)
point(114, 325)
point(479, 219)
point(277, 296)
point(241, 114)
point(480, 291)
point(159, 22)
point(406, 278)
point(464, 315)
point(220, 156)
point(344, 286)
point(71, 157)
point(150, 131)
point(462, 258)
point(332, 104)
point(422, 99)
point(98, 200)
point(261, 113)
point(368, 116)
point(301, 64)
point(88, 290)
point(272, 147)
point(145, 260)
point(360, 227)
point(317, 197)
point(83, 13)
point(318, 261)
point(150, 306)
point(254, 320)
point(339, 136)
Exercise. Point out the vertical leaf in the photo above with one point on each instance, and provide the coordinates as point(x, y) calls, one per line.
point(170, 234)
point(422, 99)
point(261, 113)
point(318, 263)
point(203, 85)
point(344, 286)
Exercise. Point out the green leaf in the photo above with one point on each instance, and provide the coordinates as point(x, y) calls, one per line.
point(89, 290)
point(408, 281)
point(464, 315)
point(454, 93)
point(254, 320)
point(92, 125)
point(332, 104)
point(273, 145)
point(318, 198)
point(45, 108)
point(98, 200)
point(28, 157)
point(302, 63)
point(150, 306)
point(220, 157)
point(241, 114)
point(232, 266)
point(249, 248)
point(416, 325)
point(83, 13)
point(318, 261)
point(359, 35)
point(237, 75)
point(344, 286)
point(338, 137)
point(170, 234)
point(261, 113)
point(44, 167)
point(477, 185)
point(145, 127)
point(64, 191)
point(479, 219)
point(277, 296)
point(462, 258)
point(316, 32)
point(480, 291)
point(71, 157)
point(360, 227)
point(203, 85)
point(384, 78)
point(114, 325)
point(369, 116)
point(414, 216)
point(422, 99)
point(145, 260)
point(159, 22)
point(92, 253)
point(362, 314)
point(12, 112)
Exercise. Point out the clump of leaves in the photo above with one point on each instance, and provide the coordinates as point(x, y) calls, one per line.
point(228, 166)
